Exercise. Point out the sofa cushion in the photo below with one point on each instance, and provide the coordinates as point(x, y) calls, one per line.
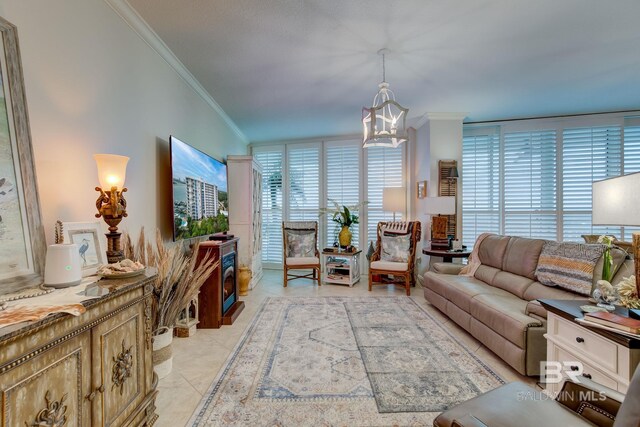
point(521, 256)
point(389, 266)
point(446, 268)
point(460, 289)
point(486, 274)
point(506, 315)
point(618, 255)
point(538, 291)
point(512, 283)
point(492, 249)
point(535, 308)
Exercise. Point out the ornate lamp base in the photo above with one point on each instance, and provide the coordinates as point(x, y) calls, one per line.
point(114, 251)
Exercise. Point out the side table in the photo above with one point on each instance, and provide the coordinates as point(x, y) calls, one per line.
point(447, 255)
point(341, 267)
point(605, 357)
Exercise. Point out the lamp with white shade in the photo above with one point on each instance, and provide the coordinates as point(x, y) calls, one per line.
point(616, 201)
point(445, 205)
point(394, 200)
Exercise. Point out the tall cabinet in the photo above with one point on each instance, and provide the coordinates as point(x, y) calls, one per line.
point(245, 211)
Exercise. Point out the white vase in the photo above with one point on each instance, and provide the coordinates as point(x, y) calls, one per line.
point(162, 355)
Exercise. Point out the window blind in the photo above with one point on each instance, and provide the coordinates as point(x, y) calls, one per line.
point(304, 183)
point(343, 186)
point(588, 154)
point(631, 159)
point(271, 204)
point(384, 169)
point(480, 184)
point(530, 184)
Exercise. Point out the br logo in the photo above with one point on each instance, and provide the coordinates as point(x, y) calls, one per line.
point(554, 372)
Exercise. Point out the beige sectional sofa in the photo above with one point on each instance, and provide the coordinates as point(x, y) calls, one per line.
point(498, 306)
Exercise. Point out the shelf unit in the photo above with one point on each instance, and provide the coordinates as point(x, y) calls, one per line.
point(342, 268)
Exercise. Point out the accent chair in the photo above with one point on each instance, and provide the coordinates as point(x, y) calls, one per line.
point(395, 252)
point(300, 245)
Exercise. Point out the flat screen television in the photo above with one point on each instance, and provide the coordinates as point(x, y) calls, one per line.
point(199, 186)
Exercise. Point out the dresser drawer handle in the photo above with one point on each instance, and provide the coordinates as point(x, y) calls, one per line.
point(588, 376)
point(579, 339)
point(574, 368)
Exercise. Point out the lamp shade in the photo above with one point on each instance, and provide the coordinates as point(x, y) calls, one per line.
point(616, 201)
point(112, 170)
point(440, 205)
point(394, 199)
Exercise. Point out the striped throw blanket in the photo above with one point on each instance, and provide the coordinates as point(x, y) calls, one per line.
point(568, 265)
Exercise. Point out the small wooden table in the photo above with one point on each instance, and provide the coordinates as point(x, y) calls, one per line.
point(447, 255)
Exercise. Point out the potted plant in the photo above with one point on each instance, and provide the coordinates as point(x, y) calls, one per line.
point(177, 282)
point(343, 216)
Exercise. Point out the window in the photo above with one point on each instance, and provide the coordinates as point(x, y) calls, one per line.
point(271, 160)
point(588, 154)
point(304, 183)
point(530, 184)
point(342, 184)
point(480, 183)
point(534, 178)
point(384, 169)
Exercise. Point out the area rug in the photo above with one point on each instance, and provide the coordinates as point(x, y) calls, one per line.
point(319, 361)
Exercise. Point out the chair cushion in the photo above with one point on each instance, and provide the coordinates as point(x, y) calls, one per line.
point(300, 243)
point(389, 266)
point(395, 248)
point(303, 261)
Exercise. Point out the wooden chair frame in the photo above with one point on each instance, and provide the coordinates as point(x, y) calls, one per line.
point(408, 276)
point(315, 273)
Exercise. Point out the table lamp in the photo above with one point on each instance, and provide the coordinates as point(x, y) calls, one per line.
point(439, 206)
point(394, 200)
point(616, 201)
point(111, 205)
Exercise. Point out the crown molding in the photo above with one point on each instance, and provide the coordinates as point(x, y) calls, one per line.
point(132, 18)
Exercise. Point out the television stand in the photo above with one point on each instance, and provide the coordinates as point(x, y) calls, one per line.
point(219, 299)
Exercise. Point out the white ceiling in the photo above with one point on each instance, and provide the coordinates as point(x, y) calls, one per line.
point(289, 69)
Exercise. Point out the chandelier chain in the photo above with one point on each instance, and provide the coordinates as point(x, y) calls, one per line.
point(384, 71)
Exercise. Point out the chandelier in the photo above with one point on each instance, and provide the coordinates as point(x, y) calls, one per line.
point(385, 122)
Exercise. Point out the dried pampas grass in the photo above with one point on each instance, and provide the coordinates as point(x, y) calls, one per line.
point(179, 276)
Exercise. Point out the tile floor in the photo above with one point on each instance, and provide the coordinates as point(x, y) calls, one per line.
point(197, 360)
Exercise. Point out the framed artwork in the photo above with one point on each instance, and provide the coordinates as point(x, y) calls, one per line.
point(421, 189)
point(22, 240)
point(89, 238)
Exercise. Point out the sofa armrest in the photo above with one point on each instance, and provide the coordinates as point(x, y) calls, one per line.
point(446, 268)
point(468, 421)
point(593, 401)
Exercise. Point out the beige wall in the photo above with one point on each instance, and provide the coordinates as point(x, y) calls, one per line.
point(94, 86)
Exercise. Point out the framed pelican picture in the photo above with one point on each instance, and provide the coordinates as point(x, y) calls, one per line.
point(90, 240)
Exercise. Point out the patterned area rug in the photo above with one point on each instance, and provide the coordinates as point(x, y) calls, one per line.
point(364, 361)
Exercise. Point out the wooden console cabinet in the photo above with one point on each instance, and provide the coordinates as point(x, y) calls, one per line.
point(213, 312)
point(90, 370)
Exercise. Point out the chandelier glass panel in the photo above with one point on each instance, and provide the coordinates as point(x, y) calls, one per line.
point(385, 123)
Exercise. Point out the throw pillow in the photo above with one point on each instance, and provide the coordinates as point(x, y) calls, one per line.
point(569, 266)
point(300, 243)
point(395, 248)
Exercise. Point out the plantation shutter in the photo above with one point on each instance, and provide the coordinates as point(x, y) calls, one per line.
point(631, 158)
point(271, 204)
point(384, 169)
point(588, 154)
point(303, 163)
point(343, 186)
point(480, 183)
point(530, 184)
